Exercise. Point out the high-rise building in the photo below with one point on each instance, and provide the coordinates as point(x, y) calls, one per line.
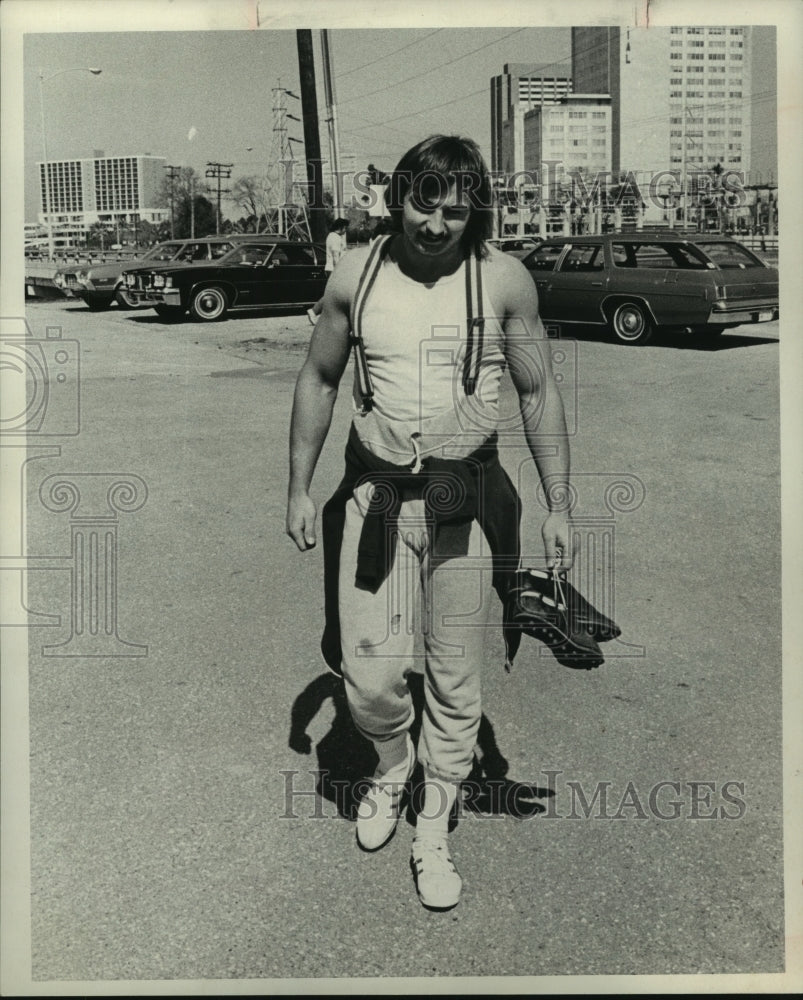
point(519, 89)
point(572, 138)
point(680, 96)
point(109, 189)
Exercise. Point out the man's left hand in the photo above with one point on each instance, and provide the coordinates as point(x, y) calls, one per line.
point(558, 541)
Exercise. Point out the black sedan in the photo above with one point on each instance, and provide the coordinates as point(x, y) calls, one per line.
point(257, 275)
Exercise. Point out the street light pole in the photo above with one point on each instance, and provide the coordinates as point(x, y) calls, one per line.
point(47, 202)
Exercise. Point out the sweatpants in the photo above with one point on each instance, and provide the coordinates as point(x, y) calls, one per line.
point(448, 601)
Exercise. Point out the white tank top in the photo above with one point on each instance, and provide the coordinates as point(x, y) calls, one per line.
point(415, 343)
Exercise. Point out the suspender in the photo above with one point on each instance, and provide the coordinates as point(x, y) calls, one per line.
point(364, 286)
point(475, 321)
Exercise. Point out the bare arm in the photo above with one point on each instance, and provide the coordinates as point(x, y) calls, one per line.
point(529, 361)
point(314, 400)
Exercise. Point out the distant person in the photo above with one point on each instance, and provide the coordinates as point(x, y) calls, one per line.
point(336, 246)
point(336, 243)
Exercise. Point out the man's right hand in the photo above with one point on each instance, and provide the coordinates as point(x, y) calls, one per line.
point(301, 515)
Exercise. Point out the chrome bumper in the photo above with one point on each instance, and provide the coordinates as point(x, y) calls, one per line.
point(749, 315)
point(170, 297)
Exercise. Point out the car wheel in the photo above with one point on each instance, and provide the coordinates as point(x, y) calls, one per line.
point(123, 300)
point(631, 323)
point(209, 304)
point(168, 313)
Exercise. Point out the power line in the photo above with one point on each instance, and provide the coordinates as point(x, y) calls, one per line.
point(484, 90)
point(417, 41)
point(576, 53)
point(732, 104)
point(434, 69)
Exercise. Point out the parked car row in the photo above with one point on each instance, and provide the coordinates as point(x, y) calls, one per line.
point(630, 283)
point(100, 285)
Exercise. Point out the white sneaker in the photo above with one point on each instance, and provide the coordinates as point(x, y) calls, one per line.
point(436, 878)
point(378, 812)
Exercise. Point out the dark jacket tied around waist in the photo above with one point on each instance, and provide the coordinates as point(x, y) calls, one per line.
point(455, 492)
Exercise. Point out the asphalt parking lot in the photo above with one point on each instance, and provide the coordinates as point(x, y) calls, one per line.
point(179, 829)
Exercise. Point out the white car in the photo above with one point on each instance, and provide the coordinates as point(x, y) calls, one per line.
point(518, 246)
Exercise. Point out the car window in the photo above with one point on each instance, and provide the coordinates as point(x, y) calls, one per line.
point(217, 250)
point(730, 255)
point(167, 251)
point(544, 258)
point(250, 254)
point(583, 257)
point(657, 255)
point(193, 252)
point(292, 255)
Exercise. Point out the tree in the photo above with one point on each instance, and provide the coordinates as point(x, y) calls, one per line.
point(257, 196)
point(248, 193)
point(205, 216)
point(149, 233)
point(185, 185)
point(99, 235)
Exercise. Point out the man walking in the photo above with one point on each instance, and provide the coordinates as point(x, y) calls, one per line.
point(435, 316)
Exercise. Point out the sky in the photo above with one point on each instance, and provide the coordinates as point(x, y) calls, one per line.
point(195, 97)
point(198, 97)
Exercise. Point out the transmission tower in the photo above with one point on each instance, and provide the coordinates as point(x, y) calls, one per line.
point(289, 200)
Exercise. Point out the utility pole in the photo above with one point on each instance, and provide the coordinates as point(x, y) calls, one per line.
point(219, 170)
point(685, 183)
point(331, 121)
point(172, 174)
point(312, 143)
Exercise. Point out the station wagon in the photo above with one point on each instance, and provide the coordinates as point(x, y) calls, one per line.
point(636, 283)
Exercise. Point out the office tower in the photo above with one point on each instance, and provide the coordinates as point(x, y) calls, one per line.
point(519, 89)
point(681, 97)
point(569, 139)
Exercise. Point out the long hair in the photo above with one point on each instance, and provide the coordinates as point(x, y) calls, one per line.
point(429, 170)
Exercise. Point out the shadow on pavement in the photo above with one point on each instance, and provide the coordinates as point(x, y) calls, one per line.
point(148, 317)
point(346, 760)
point(664, 338)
